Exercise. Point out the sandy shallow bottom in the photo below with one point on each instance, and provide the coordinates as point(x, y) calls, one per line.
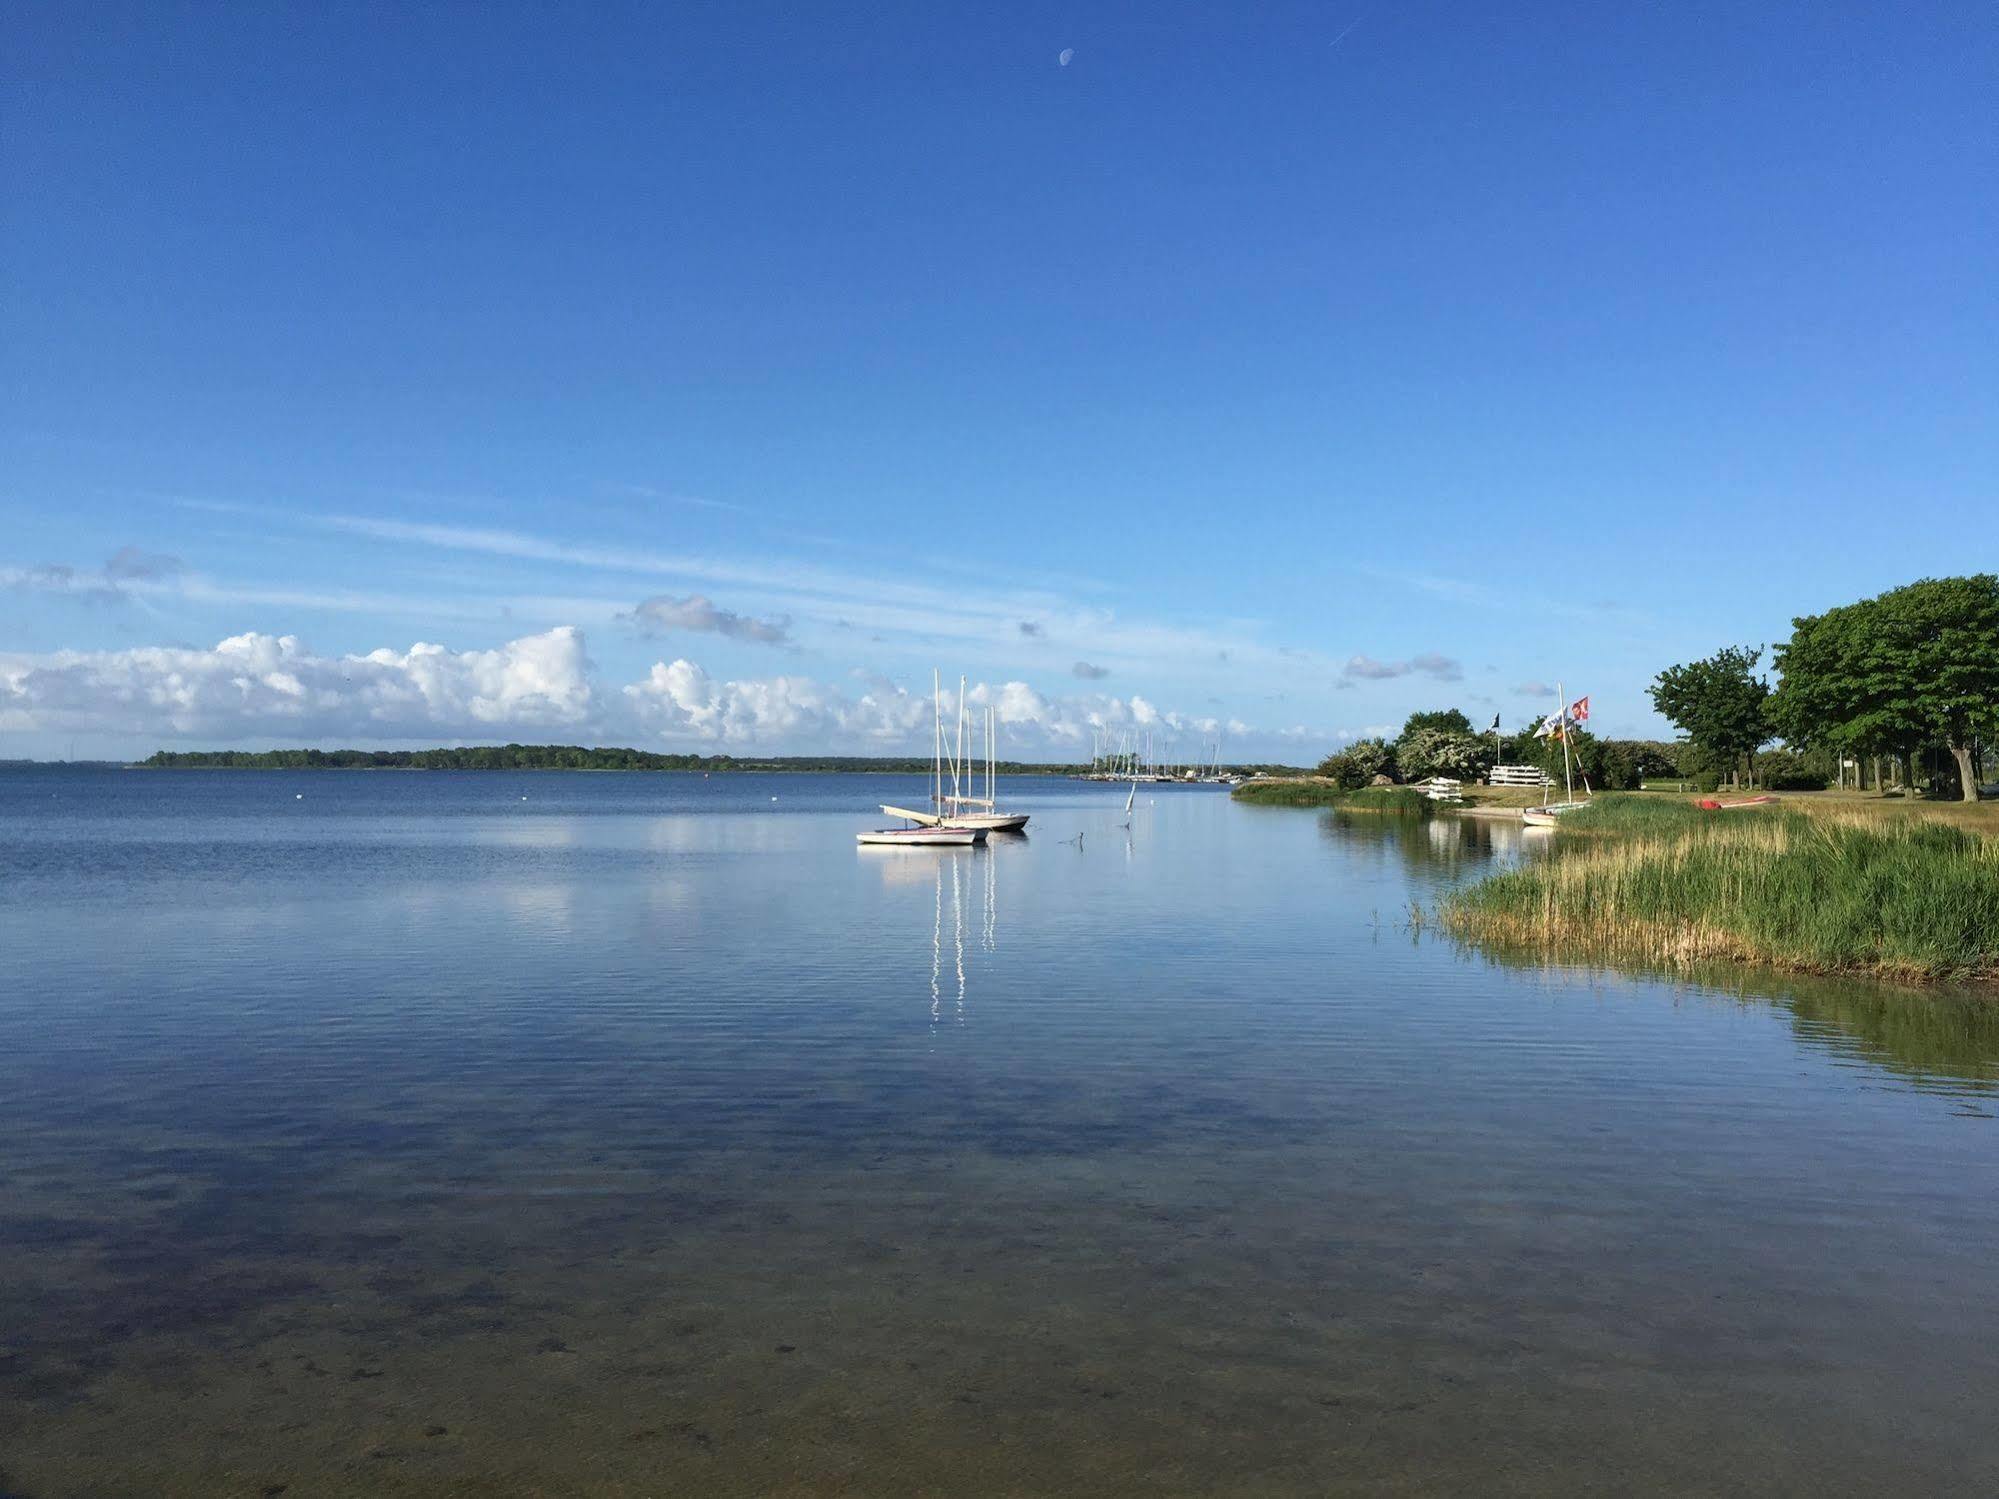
point(1273, 1321)
point(412, 1139)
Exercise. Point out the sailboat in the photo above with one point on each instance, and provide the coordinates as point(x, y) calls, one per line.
point(951, 813)
point(929, 829)
point(991, 818)
point(1557, 723)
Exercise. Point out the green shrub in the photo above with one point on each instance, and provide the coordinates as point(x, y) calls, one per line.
point(1358, 764)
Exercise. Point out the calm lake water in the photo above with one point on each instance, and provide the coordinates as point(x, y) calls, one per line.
point(503, 1134)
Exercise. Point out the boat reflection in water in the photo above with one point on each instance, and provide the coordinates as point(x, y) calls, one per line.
point(964, 913)
point(964, 876)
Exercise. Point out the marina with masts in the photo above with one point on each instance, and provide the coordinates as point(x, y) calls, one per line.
point(1128, 755)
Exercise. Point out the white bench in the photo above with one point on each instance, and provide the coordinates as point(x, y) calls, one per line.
point(1518, 775)
point(1443, 789)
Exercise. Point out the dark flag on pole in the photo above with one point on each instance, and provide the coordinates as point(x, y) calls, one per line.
point(1495, 725)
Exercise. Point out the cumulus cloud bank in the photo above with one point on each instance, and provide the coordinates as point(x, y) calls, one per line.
point(258, 686)
point(263, 687)
point(698, 614)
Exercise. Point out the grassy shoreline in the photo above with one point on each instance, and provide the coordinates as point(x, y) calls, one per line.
point(1882, 891)
point(1317, 791)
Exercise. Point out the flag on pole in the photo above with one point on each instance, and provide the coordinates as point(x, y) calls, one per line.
point(1495, 725)
point(1551, 725)
point(1579, 709)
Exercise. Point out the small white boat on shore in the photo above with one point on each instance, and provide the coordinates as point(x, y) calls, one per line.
point(1547, 816)
point(921, 837)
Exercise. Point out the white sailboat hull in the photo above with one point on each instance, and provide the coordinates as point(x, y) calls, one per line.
point(991, 822)
point(1547, 816)
point(921, 837)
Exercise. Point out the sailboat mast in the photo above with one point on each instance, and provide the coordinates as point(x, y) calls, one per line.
point(1562, 718)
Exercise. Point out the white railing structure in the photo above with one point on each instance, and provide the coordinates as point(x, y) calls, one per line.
point(1443, 789)
point(1518, 775)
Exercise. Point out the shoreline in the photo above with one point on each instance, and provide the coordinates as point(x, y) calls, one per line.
point(1898, 893)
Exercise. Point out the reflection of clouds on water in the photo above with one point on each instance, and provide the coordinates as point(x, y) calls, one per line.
point(547, 907)
point(706, 834)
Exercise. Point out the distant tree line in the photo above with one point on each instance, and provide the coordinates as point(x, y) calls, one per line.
point(1910, 678)
point(557, 757)
point(1445, 743)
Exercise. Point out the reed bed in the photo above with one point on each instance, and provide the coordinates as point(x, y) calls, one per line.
point(1317, 792)
point(1831, 891)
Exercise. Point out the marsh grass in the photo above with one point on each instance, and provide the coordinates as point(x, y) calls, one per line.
point(1316, 792)
point(1837, 890)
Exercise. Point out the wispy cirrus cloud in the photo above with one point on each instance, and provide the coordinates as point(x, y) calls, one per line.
point(984, 623)
point(124, 568)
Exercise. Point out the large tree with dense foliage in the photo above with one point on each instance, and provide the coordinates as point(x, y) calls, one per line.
point(1718, 702)
point(1426, 752)
point(1918, 664)
point(1446, 720)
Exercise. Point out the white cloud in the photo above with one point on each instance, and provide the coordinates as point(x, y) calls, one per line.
point(698, 614)
point(126, 569)
point(259, 686)
point(680, 701)
point(1088, 672)
point(129, 562)
point(1430, 664)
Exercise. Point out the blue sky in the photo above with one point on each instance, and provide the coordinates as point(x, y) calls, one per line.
point(702, 376)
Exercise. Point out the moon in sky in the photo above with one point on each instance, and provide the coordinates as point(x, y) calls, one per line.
point(1062, 57)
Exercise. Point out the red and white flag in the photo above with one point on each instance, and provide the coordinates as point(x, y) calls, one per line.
point(1579, 710)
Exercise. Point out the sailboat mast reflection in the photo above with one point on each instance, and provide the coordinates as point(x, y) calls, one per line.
point(985, 936)
point(958, 916)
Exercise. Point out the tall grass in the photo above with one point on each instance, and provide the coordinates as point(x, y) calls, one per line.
point(1398, 800)
point(1897, 896)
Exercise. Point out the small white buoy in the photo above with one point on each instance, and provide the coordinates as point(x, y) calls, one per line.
point(773, 798)
point(298, 796)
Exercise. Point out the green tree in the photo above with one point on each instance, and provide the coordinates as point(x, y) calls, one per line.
point(1447, 720)
point(1719, 703)
point(1425, 752)
point(1358, 764)
point(1917, 665)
